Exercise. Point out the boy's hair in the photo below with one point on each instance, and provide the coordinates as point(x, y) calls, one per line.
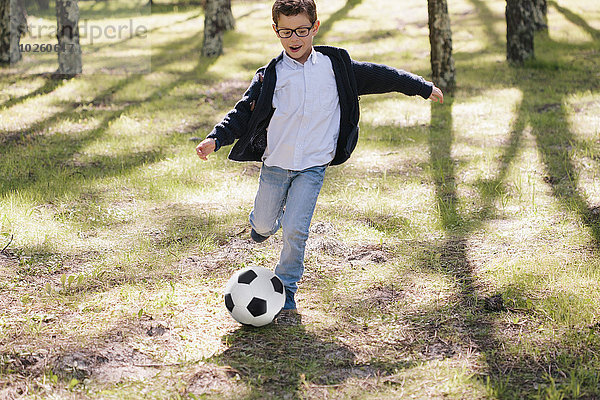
point(294, 7)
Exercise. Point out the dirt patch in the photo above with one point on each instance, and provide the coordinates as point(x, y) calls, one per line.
point(547, 107)
point(439, 350)
point(366, 254)
point(8, 259)
point(118, 359)
point(22, 364)
point(211, 379)
point(322, 240)
point(119, 363)
point(381, 296)
point(114, 363)
point(222, 261)
point(322, 228)
point(327, 245)
point(78, 365)
point(111, 359)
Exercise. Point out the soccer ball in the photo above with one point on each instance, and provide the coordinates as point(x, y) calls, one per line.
point(254, 295)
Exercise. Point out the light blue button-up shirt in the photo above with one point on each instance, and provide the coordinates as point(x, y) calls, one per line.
point(304, 129)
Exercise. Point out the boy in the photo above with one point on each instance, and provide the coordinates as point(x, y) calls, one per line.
point(300, 115)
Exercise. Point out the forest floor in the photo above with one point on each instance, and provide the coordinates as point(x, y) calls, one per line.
point(455, 255)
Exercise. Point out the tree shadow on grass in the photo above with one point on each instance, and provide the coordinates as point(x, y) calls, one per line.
point(543, 109)
point(339, 15)
point(97, 10)
point(279, 361)
point(50, 169)
point(169, 53)
point(53, 162)
point(50, 166)
point(486, 14)
point(510, 375)
point(518, 375)
point(576, 19)
point(555, 141)
point(176, 7)
point(49, 86)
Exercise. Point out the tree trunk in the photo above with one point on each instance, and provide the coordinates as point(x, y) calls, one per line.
point(69, 52)
point(217, 19)
point(519, 30)
point(43, 4)
point(440, 39)
point(13, 24)
point(540, 15)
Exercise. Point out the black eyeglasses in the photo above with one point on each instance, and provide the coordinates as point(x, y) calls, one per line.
point(300, 32)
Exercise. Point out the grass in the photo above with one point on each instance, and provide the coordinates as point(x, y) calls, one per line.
point(455, 255)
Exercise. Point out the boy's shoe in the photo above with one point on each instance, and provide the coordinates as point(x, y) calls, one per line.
point(290, 303)
point(288, 317)
point(257, 237)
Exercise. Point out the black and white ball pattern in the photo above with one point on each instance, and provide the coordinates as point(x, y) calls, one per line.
point(254, 295)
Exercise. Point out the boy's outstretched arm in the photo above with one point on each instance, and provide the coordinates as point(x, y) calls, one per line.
point(206, 147)
point(374, 78)
point(235, 123)
point(436, 95)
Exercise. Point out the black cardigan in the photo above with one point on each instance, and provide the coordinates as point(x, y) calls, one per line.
point(249, 119)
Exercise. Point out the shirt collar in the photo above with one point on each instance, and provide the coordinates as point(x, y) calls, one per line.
point(290, 62)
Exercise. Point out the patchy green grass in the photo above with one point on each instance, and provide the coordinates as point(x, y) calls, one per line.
point(456, 255)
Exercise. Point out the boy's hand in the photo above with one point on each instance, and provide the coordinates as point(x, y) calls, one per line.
point(436, 95)
point(205, 147)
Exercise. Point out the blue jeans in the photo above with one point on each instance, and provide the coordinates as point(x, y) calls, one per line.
point(287, 199)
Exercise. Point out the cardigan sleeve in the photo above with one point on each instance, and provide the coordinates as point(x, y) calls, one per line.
point(235, 124)
point(377, 78)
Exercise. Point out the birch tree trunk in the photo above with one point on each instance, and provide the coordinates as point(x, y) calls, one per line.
point(440, 39)
point(519, 30)
point(43, 4)
point(540, 14)
point(69, 52)
point(217, 19)
point(13, 24)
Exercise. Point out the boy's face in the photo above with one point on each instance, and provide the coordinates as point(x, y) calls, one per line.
point(297, 47)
